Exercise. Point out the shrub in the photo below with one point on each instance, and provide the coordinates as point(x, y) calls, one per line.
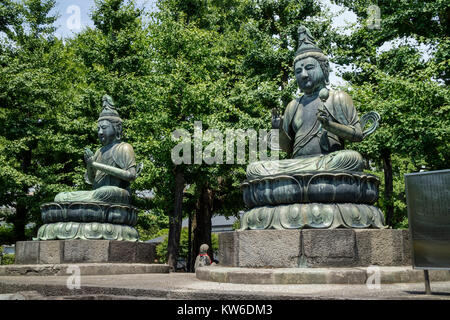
point(8, 259)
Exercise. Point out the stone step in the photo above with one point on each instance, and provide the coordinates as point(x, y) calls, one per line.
point(84, 268)
point(84, 251)
point(370, 275)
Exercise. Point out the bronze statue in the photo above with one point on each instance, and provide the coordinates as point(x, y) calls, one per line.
point(322, 185)
point(111, 169)
point(104, 212)
point(315, 125)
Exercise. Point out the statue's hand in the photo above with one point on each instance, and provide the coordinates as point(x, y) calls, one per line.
point(276, 119)
point(323, 117)
point(88, 156)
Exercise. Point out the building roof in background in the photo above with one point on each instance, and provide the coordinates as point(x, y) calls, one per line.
point(216, 221)
point(156, 240)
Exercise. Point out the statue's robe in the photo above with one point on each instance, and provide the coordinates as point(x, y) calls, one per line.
point(107, 188)
point(311, 147)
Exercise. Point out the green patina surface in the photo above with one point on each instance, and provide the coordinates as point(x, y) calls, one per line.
point(105, 211)
point(312, 131)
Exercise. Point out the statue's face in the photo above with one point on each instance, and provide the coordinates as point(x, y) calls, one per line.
point(309, 75)
point(106, 132)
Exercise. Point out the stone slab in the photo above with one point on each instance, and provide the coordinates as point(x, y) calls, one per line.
point(23, 295)
point(229, 244)
point(269, 248)
point(329, 248)
point(84, 251)
point(27, 252)
point(315, 248)
point(50, 252)
point(383, 247)
point(122, 251)
point(145, 252)
point(386, 275)
point(85, 269)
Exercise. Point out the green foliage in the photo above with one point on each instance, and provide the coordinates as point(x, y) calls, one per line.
point(37, 142)
point(409, 91)
point(226, 63)
point(149, 225)
point(6, 234)
point(6, 258)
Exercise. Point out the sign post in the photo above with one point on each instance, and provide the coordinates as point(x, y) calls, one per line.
point(428, 200)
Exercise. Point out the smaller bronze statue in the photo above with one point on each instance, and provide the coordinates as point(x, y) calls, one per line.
point(104, 212)
point(203, 259)
point(111, 169)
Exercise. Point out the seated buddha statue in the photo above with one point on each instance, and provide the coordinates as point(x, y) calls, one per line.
point(315, 125)
point(322, 184)
point(111, 169)
point(105, 212)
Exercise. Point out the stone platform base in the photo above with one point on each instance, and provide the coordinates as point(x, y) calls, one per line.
point(86, 269)
point(318, 275)
point(315, 248)
point(84, 251)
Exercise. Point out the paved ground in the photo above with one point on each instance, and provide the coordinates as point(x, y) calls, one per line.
point(186, 286)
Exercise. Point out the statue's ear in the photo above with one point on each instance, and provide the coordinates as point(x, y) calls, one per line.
point(119, 132)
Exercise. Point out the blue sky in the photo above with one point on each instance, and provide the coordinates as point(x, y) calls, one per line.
point(66, 11)
point(66, 27)
point(71, 12)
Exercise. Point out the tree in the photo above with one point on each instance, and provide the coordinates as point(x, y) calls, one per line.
point(36, 102)
point(8, 16)
point(222, 63)
point(116, 59)
point(407, 90)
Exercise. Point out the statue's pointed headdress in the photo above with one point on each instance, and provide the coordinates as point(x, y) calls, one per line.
point(109, 111)
point(307, 45)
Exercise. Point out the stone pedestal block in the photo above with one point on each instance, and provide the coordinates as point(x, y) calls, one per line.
point(314, 248)
point(384, 247)
point(331, 248)
point(27, 252)
point(271, 248)
point(84, 251)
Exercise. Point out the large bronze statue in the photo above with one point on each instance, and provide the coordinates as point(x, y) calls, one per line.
point(323, 184)
point(105, 212)
point(113, 166)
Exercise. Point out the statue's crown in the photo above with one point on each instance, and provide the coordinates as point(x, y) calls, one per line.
point(109, 111)
point(306, 44)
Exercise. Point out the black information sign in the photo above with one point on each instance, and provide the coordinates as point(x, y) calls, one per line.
point(428, 199)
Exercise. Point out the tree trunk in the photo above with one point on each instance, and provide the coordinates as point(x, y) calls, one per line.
point(19, 222)
point(189, 261)
point(175, 220)
point(202, 222)
point(20, 217)
point(388, 186)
